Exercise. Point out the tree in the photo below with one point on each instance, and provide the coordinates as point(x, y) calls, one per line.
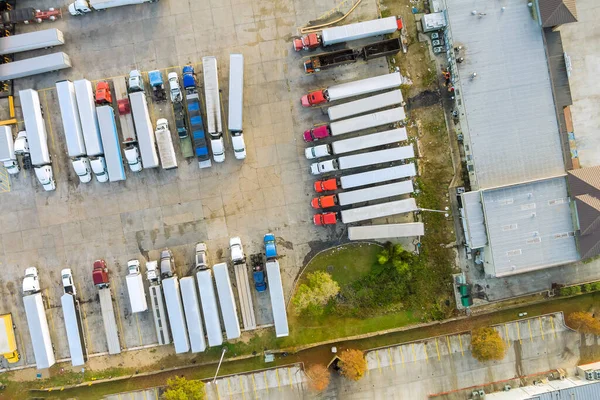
point(353, 364)
point(318, 375)
point(179, 388)
point(311, 297)
point(583, 322)
point(486, 344)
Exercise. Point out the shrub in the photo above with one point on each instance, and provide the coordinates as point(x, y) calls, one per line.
point(311, 297)
point(179, 388)
point(596, 286)
point(586, 288)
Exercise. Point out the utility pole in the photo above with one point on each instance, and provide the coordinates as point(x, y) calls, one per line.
point(219, 366)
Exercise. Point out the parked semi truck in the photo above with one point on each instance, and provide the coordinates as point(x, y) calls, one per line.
point(193, 317)
point(43, 349)
point(352, 89)
point(72, 318)
point(102, 282)
point(135, 287)
point(277, 298)
point(386, 231)
point(168, 159)
point(8, 342)
point(8, 157)
point(143, 128)
point(363, 195)
point(355, 124)
point(208, 299)
point(347, 56)
point(236, 105)
point(347, 33)
point(195, 115)
point(367, 212)
point(366, 178)
point(365, 105)
point(159, 310)
point(73, 132)
point(176, 317)
point(84, 93)
point(131, 151)
point(227, 301)
point(110, 142)
point(214, 122)
point(37, 138)
point(27, 15)
point(80, 7)
point(242, 283)
point(34, 66)
point(31, 41)
point(363, 159)
point(157, 84)
point(357, 143)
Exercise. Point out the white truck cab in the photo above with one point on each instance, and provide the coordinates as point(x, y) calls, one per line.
point(237, 250)
point(99, 167)
point(31, 283)
point(133, 267)
point(133, 158)
point(21, 144)
point(218, 149)
point(201, 257)
point(322, 150)
point(136, 84)
point(174, 87)
point(239, 146)
point(323, 167)
point(152, 273)
point(67, 281)
point(79, 7)
point(45, 177)
point(8, 156)
point(82, 168)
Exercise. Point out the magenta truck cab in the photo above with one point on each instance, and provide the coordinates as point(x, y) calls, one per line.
point(316, 133)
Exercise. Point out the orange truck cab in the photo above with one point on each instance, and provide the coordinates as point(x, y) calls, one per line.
point(324, 201)
point(325, 219)
point(307, 42)
point(313, 98)
point(103, 95)
point(326, 185)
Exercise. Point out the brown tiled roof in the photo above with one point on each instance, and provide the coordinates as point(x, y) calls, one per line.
point(557, 12)
point(588, 210)
point(584, 187)
point(585, 181)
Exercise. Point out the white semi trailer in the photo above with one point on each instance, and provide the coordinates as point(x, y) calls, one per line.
point(236, 105)
point(208, 300)
point(131, 151)
point(69, 111)
point(227, 301)
point(277, 299)
point(8, 157)
point(214, 122)
point(110, 142)
point(379, 210)
point(357, 143)
point(363, 159)
point(37, 138)
point(143, 128)
point(34, 66)
point(192, 314)
point(176, 317)
point(31, 41)
point(365, 105)
point(386, 231)
point(80, 7)
point(77, 349)
point(378, 176)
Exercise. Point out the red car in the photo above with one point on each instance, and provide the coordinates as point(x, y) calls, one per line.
point(313, 98)
point(324, 201)
point(319, 132)
point(326, 185)
point(325, 219)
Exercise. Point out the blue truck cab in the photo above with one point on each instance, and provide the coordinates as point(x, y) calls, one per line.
point(270, 246)
point(189, 79)
point(258, 272)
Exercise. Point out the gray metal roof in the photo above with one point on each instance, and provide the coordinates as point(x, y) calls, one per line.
point(474, 220)
point(529, 226)
point(567, 389)
point(511, 120)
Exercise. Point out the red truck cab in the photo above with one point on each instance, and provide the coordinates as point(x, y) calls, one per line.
point(100, 274)
point(103, 95)
point(307, 42)
point(313, 98)
point(326, 185)
point(324, 201)
point(316, 133)
point(325, 219)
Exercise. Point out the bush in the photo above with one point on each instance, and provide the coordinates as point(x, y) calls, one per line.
point(595, 286)
point(353, 364)
point(576, 289)
point(583, 322)
point(486, 344)
point(311, 297)
point(179, 388)
point(586, 288)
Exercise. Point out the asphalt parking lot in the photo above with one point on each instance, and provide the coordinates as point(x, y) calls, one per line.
point(154, 209)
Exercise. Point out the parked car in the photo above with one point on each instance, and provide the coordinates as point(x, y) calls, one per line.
point(174, 87)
